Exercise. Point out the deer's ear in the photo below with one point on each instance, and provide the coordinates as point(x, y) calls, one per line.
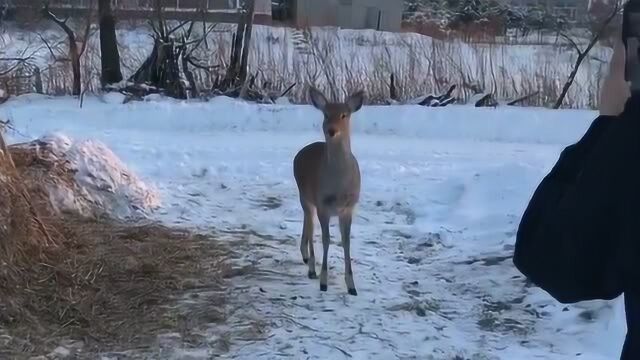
point(317, 99)
point(356, 100)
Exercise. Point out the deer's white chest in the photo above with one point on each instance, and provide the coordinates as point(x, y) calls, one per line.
point(339, 188)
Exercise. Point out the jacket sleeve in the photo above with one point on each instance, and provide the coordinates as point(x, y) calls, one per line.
point(569, 215)
point(597, 210)
point(561, 177)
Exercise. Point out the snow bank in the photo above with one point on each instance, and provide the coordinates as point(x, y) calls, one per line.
point(103, 183)
point(161, 115)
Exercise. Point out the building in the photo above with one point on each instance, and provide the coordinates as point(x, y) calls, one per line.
point(209, 10)
point(385, 15)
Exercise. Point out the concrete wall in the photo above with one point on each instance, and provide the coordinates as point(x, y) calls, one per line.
point(316, 12)
point(350, 14)
point(369, 14)
point(263, 6)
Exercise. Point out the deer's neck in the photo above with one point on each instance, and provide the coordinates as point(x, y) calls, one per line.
point(339, 152)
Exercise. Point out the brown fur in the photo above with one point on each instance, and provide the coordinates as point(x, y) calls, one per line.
point(328, 178)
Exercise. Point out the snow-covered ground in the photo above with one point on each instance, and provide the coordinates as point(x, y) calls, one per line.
point(443, 189)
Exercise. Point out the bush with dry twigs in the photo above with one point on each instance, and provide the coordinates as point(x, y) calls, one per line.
point(112, 285)
point(347, 60)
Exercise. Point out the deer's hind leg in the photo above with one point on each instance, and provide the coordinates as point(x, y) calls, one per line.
point(345, 231)
point(306, 242)
point(324, 219)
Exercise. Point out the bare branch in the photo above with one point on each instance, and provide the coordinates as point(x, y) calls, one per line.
point(153, 27)
point(190, 30)
point(87, 29)
point(201, 40)
point(75, 54)
point(200, 66)
point(582, 55)
point(603, 27)
point(8, 71)
point(523, 98)
point(180, 26)
point(161, 23)
point(55, 57)
point(17, 59)
point(284, 93)
point(61, 23)
point(197, 41)
point(573, 43)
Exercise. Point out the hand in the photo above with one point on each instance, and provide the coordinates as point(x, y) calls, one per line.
point(615, 90)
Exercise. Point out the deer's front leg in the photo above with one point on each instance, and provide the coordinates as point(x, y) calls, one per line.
point(345, 232)
point(324, 219)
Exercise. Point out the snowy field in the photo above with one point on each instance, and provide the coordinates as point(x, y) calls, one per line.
point(443, 190)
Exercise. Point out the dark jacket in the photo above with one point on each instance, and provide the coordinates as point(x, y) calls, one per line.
point(577, 237)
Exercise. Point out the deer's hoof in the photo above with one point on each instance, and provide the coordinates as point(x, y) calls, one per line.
point(353, 292)
point(323, 287)
point(312, 275)
point(306, 261)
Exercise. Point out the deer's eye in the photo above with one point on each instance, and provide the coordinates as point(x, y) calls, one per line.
point(343, 116)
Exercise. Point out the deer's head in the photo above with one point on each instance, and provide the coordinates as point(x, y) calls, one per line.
point(337, 116)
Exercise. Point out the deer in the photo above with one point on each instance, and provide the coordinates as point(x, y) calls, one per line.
point(327, 175)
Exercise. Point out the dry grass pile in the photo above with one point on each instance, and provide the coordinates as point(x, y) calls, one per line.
point(109, 284)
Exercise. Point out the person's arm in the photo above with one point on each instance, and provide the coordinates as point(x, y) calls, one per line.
point(559, 180)
point(594, 223)
point(565, 237)
point(615, 90)
point(613, 96)
point(573, 159)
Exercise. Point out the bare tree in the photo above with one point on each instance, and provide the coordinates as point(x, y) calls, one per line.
point(582, 54)
point(109, 53)
point(9, 64)
point(75, 51)
point(238, 67)
point(186, 49)
point(393, 91)
point(172, 56)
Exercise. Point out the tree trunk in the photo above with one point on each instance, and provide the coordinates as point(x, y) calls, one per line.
point(567, 85)
point(110, 55)
point(234, 64)
point(583, 54)
point(393, 92)
point(189, 75)
point(244, 64)
point(38, 80)
point(74, 55)
point(74, 52)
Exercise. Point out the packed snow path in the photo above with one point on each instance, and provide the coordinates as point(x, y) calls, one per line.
point(441, 198)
